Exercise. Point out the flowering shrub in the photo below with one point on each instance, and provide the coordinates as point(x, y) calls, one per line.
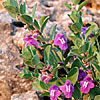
point(56, 74)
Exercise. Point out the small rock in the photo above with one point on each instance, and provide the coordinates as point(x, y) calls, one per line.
point(30, 95)
point(5, 92)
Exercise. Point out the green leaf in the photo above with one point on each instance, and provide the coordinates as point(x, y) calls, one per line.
point(77, 63)
point(75, 52)
point(45, 94)
point(94, 92)
point(52, 32)
point(40, 66)
point(36, 86)
point(44, 23)
point(60, 54)
point(6, 3)
point(28, 76)
point(45, 45)
point(21, 75)
point(41, 19)
point(73, 75)
point(95, 65)
point(35, 60)
point(43, 85)
point(98, 56)
point(14, 3)
point(96, 26)
point(36, 73)
point(76, 27)
point(11, 9)
point(94, 48)
point(23, 8)
point(54, 56)
point(78, 42)
point(75, 1)
point(90, 51)
point(97, 97)
point(30, 27)
point(26, 70)
point(29, 63)
point(68, 6)
point(80, 18)
point(89, 30)
point(24, 50)
point(26, 54)
point(33, 10)
point(46, 53)
point(12, 15)
point(51, 59)
point(98, 75)
point(84, 47)
point(73, 37)
point(26, 19)
point(57, 53)
point(40, 38)
point(73, 16)
point(82, 4)
point(77, 93)
point(36, 24)
point(67, 59)
point(32, 50)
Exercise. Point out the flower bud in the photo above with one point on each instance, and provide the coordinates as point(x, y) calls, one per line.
point(18, 18)
point(82, 55)
point(36, 31)
point(50, 75)
point(86, 53)
point(35, 35)
point(52, 41)
point(26, 26)
point(43, 78)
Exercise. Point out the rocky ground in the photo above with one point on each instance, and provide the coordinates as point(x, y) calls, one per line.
point(11, 41)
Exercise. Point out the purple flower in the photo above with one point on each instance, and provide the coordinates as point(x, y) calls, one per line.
point(90, 36)
point(30, 41)
point(46, 79)
point(60, 41)
point(69, 23)
point(75, 56)
point(83, 30)
point(81, 75)
point(35, 35)
point(86, 85)
point(67, 89)
point(43, 78)
point(54, 92)
point(27, 37)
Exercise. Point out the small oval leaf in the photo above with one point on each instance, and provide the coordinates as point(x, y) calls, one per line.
point(26, 19)
point(73, 75)
point(11, 9)
point(82, 4)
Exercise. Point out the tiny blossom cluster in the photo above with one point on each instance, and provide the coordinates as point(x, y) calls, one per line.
point(30, 40)
point(83, 31)
point(46, 77)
